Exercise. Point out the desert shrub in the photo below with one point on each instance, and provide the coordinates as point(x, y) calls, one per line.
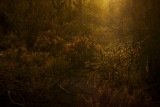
point(22, 68)
point(108, 94)
point(29, 73)
point(115, 81)
point(56, 66)
point(81, 51)
point(9, 41)
point(34, 58)
point(31, 70)
point(49, 42)
point(120, 97)
point(118, 63)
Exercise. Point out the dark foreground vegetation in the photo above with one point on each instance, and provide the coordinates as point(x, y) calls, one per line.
point(79, 53)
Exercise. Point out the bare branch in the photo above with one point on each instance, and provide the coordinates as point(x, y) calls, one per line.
point(144, 39)
point(11, 100)
point(130, 43)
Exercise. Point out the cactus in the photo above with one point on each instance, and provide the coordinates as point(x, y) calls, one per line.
point(68, 7)
point(80, 4)
point(58, 4)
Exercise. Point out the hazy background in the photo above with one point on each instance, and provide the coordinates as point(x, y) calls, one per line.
point(74, 53)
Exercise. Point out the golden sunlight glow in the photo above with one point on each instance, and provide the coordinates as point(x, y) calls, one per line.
point(85, 53)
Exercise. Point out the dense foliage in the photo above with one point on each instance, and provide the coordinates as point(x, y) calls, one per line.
point(74, 53)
